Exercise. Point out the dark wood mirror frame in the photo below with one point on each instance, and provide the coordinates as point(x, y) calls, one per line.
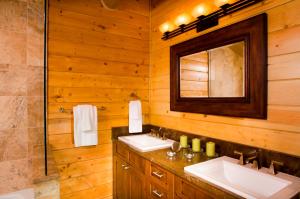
point(253, 32)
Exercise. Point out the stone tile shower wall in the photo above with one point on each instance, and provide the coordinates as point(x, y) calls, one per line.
point(21, 93)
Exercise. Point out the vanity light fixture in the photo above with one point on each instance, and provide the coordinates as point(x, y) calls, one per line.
point(204, 20)
point(166, 27)
point(182, 20)
point(200, 10)
point(220, 3)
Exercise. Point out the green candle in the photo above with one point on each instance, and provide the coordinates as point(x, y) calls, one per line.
point(196, 145)
point(210, 149)
point(183, 141)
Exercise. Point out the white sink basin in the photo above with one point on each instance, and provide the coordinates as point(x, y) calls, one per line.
point(145, 142)
point(244, 181)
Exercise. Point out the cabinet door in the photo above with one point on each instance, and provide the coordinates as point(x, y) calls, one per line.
point(137, 184)
point(185, 190)
point(122, 179)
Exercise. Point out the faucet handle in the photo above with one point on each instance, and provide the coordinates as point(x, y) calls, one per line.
point(162, 134)
point(237, 152)
point(164, 137)
point(272, 166)
point(252, 153)
point(241, 160)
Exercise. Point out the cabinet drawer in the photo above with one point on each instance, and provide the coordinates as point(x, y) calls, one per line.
point(157, 191)
point(160, 176)
point(137, 161)
point(122, 150)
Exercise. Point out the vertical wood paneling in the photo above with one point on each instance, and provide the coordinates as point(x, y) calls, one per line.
point(281, 131)
point(99, 57)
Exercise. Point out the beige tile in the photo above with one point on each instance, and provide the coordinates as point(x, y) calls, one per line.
point(13, 15)
point(37, 161)
point(35, 112)
point(12, 48)
point(21, 44)
point(37, 165)
point(35, 81)
point(13, 144)
point(36, 17)
point(35, 50)
point(48, 189)
point(12, 80)
point(13, 175)
point(35, 36)
point(13, 112)
point(36, 151)
point(36, 136)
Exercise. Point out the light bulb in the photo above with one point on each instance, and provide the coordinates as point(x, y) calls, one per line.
point(200, 10)
point(182, 19)
point(165, 27)
point(220, 3)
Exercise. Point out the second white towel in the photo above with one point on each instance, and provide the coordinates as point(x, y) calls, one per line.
point(85, 125)
point(135, 117)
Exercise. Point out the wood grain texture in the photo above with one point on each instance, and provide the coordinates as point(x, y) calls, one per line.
point(194, 75)
point(99, 57)
point(281, 131)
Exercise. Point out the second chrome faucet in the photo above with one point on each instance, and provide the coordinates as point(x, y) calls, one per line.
point(253, 157)
point(250, 157)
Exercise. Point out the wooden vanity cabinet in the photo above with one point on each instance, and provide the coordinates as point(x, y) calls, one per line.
point(129, 174)
point(138, 178)
point(129, 182)
point(121, 185)
point(185, 190)
point(137, 184)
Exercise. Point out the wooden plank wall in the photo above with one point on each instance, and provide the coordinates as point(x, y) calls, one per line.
point(281, 131)
point(99, 57)
point(194, 75)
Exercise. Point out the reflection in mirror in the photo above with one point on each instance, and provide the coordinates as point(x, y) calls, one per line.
point(217, 72)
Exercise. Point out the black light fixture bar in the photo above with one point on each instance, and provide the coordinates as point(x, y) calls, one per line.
point(207, 21)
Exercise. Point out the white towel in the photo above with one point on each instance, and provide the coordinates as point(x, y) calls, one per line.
point(85, 125)
point(135, 117)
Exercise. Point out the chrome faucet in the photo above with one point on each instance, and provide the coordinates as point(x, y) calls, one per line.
point(162, 134)
point(158, 133)
point(272, 168)
point(242, 156)
point(152, 133)
point(254, 160)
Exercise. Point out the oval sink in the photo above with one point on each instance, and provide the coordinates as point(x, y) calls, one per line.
point(145, 142)
point(244, 181)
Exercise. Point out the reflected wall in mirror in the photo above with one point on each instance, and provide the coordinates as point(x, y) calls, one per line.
point(217, 72)
point(223, 72)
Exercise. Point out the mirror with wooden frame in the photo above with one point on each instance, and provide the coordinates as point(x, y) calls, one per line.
point(223, 72)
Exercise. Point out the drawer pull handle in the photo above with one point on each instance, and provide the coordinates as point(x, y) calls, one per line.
point(156, 193)
point(125, 167)
point(157, 174)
